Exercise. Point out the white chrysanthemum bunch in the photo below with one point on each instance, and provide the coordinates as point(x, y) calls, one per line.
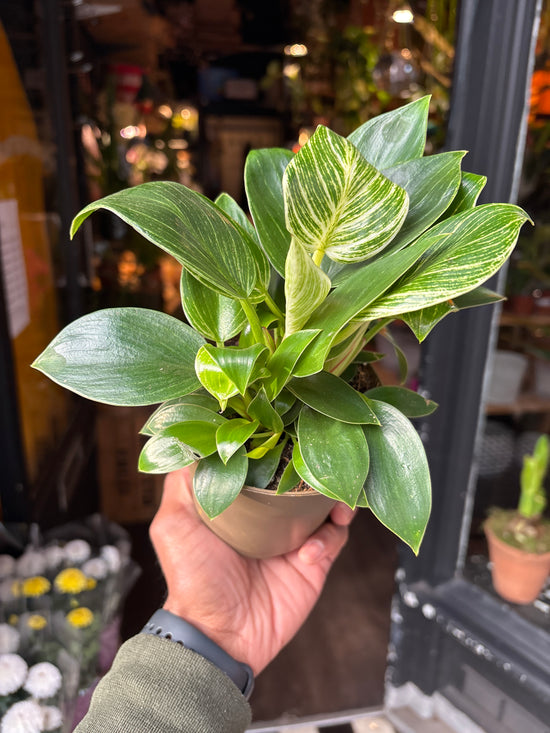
point(112, 557)
point(77, 551)
point(96, 568)
point(13, 673)
point(26, 716)
point(31, 563)
point(43, 681)
point(55, 556)
point(9, 639)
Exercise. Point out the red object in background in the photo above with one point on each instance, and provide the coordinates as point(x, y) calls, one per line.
point(128, 81)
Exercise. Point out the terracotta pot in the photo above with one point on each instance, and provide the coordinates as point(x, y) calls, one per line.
point(261, 524)
point(518, 576)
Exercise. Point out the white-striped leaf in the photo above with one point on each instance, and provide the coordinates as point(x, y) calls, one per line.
point(306, 286)
point(468, 248)
point(191, 228)
point(467, 195)
point(339, 204)
point(394, 137)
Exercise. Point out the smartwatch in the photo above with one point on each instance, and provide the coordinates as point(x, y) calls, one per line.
point(169, 626)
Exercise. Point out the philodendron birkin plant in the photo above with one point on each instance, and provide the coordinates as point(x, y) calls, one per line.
point(345, 237)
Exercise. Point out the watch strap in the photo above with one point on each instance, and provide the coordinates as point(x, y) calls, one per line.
point(169, 626)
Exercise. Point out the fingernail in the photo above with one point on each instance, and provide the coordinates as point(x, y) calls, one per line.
point(312, 551)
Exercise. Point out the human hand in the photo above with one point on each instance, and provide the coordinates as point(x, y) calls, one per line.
point(250, 608)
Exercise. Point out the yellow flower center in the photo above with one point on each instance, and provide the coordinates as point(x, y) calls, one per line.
point(13, 619)
point(71, 580)
point(36, 622)
point(80, 617)
point(36, 586)
point(91, 584)
point(16, 588)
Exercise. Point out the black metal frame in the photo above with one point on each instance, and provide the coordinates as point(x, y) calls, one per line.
point(495, 53)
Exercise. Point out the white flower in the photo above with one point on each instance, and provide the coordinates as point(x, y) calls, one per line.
point(13, 671)
point(77, 551)
point(9, 639)
point(111, 555)
point(31, 563)
point(53, 717)
point(54, 556)
point(23, 717)
point(7, 566)
point(96, 568)
point(43, 680)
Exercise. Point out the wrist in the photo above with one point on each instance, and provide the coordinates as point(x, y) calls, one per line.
point(168, 625)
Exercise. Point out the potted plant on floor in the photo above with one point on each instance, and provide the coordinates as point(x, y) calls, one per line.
point(519, 540)
point(257, 387)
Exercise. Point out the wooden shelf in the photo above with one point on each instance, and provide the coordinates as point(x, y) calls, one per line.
point(528, 402)
point(528, 320)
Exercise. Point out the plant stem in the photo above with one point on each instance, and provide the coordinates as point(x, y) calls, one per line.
point(371, 333)
point(318, 256)
point(254, 321)
point(273, 307)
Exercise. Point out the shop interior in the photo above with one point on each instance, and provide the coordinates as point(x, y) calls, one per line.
point(102, 95)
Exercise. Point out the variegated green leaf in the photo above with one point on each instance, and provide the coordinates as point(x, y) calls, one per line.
point(421, 322)
point(411, 404)
point(191, 228)
point(215, 316)
point(261, 409)
point(289, 480)
point(199, 436)
point(394, 137)
point(338, 204)
point(261, 470)
point(306, 286)
point(263, 177)
point(162, 454)
point(306, 475)
point(468, 248)
point(124, 356)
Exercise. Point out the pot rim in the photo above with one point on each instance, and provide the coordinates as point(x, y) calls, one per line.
point(513, 550)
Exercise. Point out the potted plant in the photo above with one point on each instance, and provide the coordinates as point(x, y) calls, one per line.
point(346, 236)
point(519, 540)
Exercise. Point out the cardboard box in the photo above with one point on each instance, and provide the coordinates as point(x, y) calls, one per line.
point(126, 495)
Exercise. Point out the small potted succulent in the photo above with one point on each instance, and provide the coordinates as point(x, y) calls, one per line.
point(263, 387)
point(519, 540)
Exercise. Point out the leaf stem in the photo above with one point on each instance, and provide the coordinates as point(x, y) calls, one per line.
point(254, 321)
point(371, 333)
point(273, 307)
point(318, 256)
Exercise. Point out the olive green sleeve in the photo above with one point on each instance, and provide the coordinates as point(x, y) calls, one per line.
point(157, 686)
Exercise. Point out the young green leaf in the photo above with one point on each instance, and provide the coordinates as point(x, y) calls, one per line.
point(199, 436)
point(191, 228)
point(232, 434)
point(124, 356)
point(263, 177)
point(283, 360)
point(305, 474)
point(467, 249)
point(410, 403)
point(216, 484)
point(471, 185)
point(394, 137)
point(261, 470)
point(398, 484)
point(162, 454)
point(215, 316)
point(306, 286)
point(335, 453)
point(289, 480)
point(261, 409)
point(225, 372)
point(331, 396)
point(338, 204)
point(182, 410)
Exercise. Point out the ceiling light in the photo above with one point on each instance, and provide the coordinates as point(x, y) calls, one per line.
point(297, 49)
point(403, 15)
